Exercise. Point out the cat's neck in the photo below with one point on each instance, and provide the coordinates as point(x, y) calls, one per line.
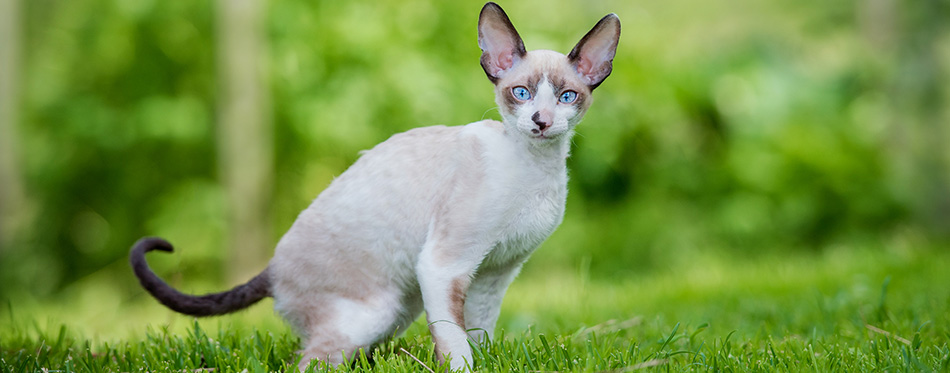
point(550, 156)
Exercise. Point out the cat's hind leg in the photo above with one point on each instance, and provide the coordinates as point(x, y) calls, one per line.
point(336, 337)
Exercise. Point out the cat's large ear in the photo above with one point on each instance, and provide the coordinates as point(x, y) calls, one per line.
point(593, 56)
point(501, 46)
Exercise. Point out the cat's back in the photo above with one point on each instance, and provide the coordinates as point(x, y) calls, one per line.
point(397, 185)
point(377, 213)
point(411, 147)
point(442, 141)
point(424, 157)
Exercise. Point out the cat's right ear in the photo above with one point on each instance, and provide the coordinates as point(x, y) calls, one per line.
point(501, 45)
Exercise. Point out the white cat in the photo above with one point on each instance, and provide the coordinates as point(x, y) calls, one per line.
point(436, 219)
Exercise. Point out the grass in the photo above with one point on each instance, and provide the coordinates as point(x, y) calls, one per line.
point(846, 309)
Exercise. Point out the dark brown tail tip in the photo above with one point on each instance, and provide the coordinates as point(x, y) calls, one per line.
point(147, 244)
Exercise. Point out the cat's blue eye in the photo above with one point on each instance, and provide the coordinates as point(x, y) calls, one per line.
point(521, 93)
point(568, 97)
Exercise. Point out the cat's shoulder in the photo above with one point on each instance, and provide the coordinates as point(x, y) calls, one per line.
point(440, 133)
point(489, 125)
point(485, 130)
point(440, 138)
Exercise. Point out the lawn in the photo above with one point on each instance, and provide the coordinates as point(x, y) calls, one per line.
point(881, 307)
point(758, 186)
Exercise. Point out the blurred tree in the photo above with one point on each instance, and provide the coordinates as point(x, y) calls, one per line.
point(11, 184)
point(245, 134)
point(923, 110)
point(726, 127)
point(115, 134)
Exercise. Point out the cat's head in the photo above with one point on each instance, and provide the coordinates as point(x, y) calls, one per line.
point(543, 94)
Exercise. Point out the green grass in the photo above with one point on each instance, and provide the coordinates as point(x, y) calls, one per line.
point(846, 309)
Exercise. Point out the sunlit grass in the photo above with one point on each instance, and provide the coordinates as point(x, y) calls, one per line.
point(850, 309)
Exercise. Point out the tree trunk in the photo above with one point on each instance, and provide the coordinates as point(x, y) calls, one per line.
point(906, 35)
point(921, 101)
point(11, 184)
point(245, 135)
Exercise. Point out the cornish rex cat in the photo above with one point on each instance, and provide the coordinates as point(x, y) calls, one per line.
point(436, 219)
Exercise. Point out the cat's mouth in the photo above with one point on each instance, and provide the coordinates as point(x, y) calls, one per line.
point(543, 135)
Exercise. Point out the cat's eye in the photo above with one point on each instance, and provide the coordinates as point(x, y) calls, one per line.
point(567, 97)
point(521, 93)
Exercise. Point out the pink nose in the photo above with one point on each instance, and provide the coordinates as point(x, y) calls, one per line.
point(543, 120)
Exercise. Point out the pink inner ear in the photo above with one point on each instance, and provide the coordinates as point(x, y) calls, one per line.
point(591, 73)
point(593, 64)
point(504, 61)
point(585, 67)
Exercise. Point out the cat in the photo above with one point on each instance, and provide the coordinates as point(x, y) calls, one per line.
point(436, 219)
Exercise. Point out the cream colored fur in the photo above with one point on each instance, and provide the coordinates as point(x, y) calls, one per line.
point(439, 219)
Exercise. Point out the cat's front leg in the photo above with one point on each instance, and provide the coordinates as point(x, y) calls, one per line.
point(485, 295)
point(444, 272)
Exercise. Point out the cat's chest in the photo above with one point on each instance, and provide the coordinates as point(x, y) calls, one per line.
point(531, 216)
point(524, 194)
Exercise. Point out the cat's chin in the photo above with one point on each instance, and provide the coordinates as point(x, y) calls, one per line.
point(546, 137)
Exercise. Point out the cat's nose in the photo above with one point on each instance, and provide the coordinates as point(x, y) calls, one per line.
point(541, 122)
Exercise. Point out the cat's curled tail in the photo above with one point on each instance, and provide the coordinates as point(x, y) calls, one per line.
point(240, 297)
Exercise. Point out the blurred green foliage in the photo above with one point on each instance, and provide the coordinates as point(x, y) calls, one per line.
point(726, 127)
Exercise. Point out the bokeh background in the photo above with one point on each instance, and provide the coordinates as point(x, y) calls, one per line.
point(728, 129)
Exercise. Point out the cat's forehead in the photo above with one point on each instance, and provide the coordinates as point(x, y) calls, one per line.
point(540, 65)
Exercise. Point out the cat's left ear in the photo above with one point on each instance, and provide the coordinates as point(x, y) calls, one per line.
point(501, 45)
point(593, 56)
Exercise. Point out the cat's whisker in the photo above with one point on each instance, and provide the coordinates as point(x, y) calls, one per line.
point(485, 114)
